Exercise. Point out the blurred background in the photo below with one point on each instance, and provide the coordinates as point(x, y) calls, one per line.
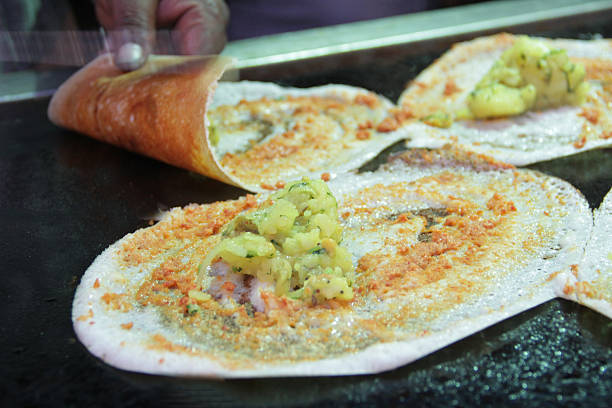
point(248, 19)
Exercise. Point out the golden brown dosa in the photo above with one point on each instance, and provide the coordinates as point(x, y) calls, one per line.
point(157, 110)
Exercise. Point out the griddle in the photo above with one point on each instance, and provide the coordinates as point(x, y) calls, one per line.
point(64, 198)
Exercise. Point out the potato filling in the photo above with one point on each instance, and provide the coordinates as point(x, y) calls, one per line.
point(528, 76)
point(291, 240)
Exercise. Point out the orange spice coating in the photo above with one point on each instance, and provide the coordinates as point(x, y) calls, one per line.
point(309, 132)
point(437, 257)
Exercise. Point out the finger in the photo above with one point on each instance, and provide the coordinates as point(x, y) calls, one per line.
point(131, 30)
point(198, 25)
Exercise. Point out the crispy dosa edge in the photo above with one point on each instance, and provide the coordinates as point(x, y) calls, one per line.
point(591, 283)
point(158, 110)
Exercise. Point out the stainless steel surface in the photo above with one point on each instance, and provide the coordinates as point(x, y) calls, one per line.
point(31, 84)
point(405, 29)
point(283, 55)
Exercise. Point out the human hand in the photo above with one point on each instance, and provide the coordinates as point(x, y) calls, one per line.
point(198, 27)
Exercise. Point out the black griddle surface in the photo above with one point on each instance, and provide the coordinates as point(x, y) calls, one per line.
point(64, 198)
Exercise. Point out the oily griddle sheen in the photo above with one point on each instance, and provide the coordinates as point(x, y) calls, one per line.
point(591, 283)
point(519, 140)
point(444, 245)
point(161, 110)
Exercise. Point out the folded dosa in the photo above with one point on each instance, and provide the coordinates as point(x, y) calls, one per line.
point(169, 108)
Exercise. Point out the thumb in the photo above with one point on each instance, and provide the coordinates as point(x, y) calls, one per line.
point(131, 30)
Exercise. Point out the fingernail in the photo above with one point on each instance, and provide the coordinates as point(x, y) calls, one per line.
point(130, 56)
